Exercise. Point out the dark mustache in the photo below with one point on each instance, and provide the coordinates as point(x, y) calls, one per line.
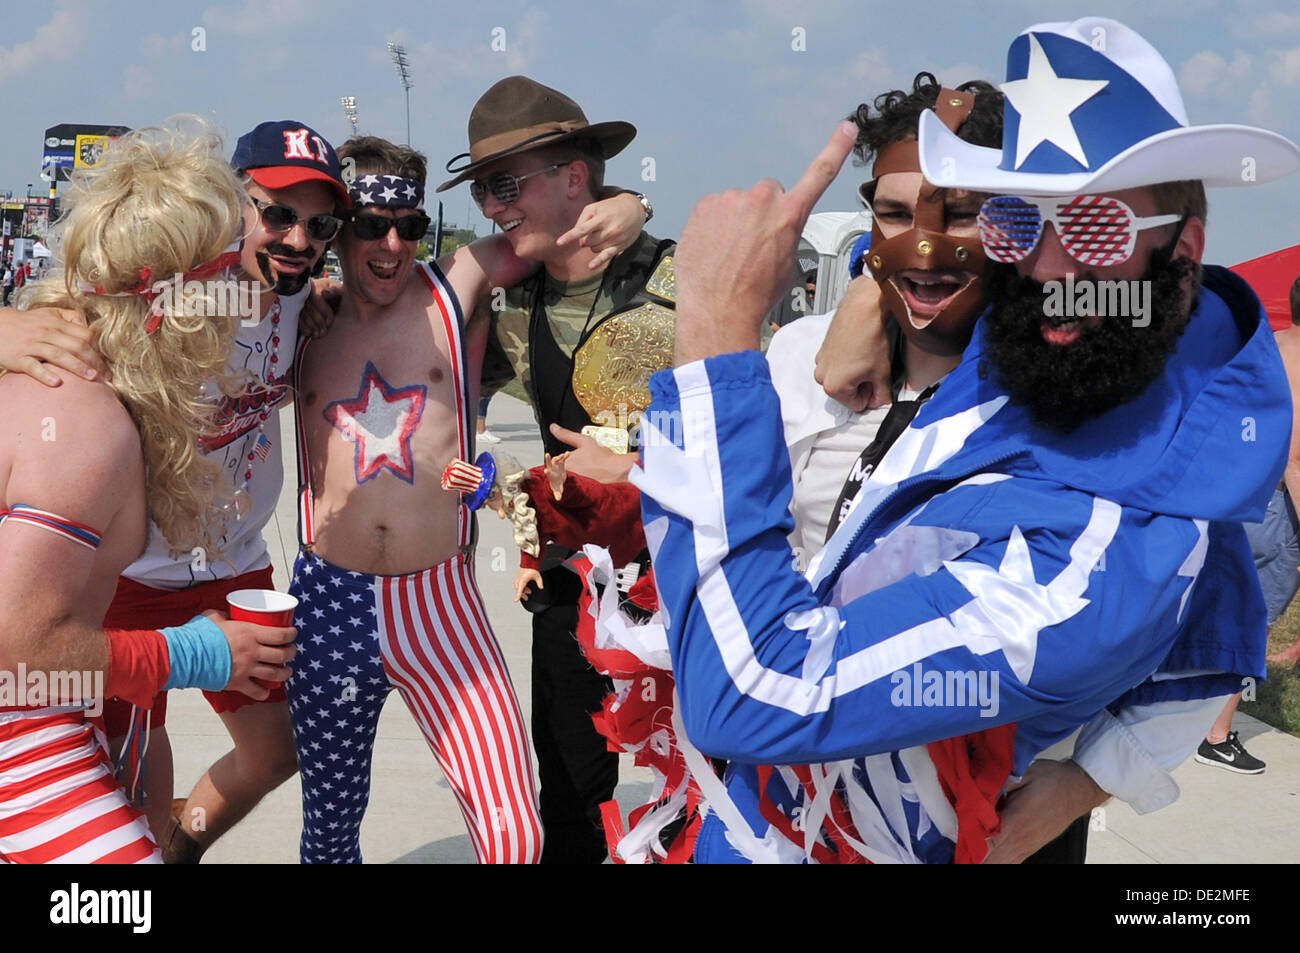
point(284, 251)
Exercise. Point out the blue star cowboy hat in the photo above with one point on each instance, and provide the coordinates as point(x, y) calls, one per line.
point(1092, 107)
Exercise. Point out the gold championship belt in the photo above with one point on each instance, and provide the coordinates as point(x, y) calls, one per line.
point(613, 367)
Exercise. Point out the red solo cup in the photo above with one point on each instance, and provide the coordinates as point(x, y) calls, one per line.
point(262, 607)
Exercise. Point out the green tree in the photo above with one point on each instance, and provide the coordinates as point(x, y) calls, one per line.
point(453, 238)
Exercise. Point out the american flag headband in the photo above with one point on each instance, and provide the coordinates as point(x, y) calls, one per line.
point(392, 191)
point(151, 290)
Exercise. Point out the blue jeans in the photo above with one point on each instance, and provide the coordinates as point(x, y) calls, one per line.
point(1276, 546)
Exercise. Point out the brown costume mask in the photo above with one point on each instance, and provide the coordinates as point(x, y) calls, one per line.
point(926, 246)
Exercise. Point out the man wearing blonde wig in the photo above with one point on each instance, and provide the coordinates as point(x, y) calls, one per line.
point(87, 465)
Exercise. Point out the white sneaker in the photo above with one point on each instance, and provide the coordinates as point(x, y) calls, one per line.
point(487, 436)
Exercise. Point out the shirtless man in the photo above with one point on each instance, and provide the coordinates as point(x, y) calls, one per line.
point(385, 576)
point(295, 186)
point(72, 463)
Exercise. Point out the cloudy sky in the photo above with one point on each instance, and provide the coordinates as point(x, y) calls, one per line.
point(721, 92)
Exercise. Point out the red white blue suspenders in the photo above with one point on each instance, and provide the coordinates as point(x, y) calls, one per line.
point(453, 322)
point(306, 522)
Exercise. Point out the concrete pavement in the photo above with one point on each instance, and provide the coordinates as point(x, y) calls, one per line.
point(413, 817)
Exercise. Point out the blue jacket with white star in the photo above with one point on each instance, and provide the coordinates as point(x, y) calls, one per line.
point(1064, 573)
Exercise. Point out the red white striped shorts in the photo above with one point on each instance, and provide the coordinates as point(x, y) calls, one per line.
point(59, 801)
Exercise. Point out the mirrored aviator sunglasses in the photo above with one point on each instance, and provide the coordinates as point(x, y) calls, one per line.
point(505, 186)
point(410, 228)
point(1096, 230)
point(281, 218)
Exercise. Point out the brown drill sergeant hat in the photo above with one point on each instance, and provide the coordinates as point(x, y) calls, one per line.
point(518, 114)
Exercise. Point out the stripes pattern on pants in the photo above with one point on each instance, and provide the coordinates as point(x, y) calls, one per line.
point(59, 800)
point(427, 635)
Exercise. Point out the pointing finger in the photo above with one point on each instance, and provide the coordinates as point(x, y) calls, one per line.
point(568, 436)
point(817, 179)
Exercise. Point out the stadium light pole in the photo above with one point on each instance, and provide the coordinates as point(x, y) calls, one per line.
point(350, 110)
point(403, 66)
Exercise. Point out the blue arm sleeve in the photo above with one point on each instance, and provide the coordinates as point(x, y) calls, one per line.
point(200, 655)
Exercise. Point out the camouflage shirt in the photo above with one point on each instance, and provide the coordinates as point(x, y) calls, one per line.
point(571, 308)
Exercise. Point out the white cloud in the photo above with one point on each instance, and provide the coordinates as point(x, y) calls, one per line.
point(963, 73)
point(159, 46)
point(59, 40)
point(1270, 24)
point(1207, 73)
point(1201, 72)
point(262, 18)
point(1285, 68)
point(763, 12)
point(1262, 108)
point(441, 61)
point(761, 43)
point(138, 82)
point(869, 70)
point(140, 79)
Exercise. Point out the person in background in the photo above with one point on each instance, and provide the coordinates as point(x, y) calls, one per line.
point(1276, 546)
point(481, 428)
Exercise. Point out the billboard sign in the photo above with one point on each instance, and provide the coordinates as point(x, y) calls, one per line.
point(56, 164)
point(70, 146)
point(90, 151)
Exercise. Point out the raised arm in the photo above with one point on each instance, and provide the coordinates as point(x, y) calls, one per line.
point(853, 362)
point(607, 226)
point(736, 255)
point(483, 265)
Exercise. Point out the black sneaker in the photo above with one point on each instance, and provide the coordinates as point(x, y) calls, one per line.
point(1229, 754)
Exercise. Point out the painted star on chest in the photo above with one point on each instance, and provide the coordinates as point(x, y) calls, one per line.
point(380, 420)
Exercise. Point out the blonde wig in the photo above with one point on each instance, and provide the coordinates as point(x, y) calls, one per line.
point(516, 506)
point(164, 199)
point(521, 515)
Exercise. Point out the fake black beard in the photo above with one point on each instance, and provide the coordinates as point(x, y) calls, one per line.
point(286, 284)
point(1063, 386)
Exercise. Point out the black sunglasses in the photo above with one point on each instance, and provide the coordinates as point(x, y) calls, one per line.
point(410, 228)
point(506, 186)
point(281, 218)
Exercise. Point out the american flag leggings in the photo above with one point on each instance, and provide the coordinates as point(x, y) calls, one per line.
point(427, 635)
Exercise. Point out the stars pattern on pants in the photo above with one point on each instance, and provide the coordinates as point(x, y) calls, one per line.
point(336, 692)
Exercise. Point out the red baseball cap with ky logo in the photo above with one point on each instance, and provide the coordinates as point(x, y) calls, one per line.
point(280, 154)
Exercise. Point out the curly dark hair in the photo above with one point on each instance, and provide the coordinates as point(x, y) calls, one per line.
point(898, 112)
